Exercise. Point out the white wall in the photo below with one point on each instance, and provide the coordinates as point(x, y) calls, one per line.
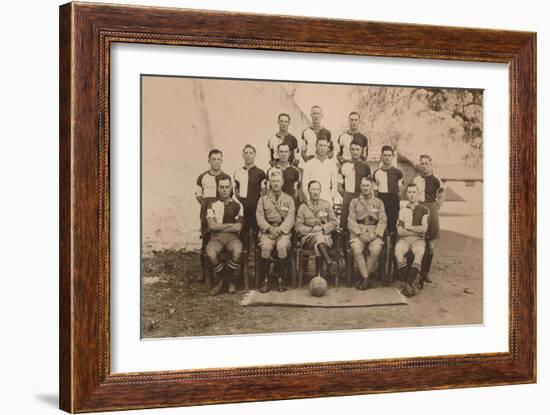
point(28, 163)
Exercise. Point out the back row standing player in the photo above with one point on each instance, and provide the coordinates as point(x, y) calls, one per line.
point(353, 135)
point(389, 181)
point(283, 137)
point(311, 134)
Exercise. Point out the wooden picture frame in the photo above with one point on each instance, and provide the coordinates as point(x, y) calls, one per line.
point(86, 33)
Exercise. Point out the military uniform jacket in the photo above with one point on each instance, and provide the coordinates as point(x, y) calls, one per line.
point(310, 215)
point(367, 213)
point(276, 212)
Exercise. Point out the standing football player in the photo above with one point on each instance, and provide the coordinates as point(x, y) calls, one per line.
point(283, 137)
point(351, 174)
point(248, 189)
point(291, 175)
point(342, 147)
point(389, 181)
point(431, 194)
point(311, 134)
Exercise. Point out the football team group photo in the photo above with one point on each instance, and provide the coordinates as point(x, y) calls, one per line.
point(278, 206)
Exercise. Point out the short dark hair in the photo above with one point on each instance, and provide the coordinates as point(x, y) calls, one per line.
point(425, 156)
point(223, 179)
point(214, 151)
point(283, 144)
point(313, 182)
point(250, 146)
point(366, 179)
point(355, 143)
point(283, 114)
point(412, 185)
point(354, 113)
point(322, 139)
point(386, 147)
point(316, 106)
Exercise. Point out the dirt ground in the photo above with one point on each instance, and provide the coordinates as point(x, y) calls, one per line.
point(176, 304)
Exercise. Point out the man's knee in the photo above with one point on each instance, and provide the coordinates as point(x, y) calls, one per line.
point(357, 247)
point(212, 253)
point(283, 245)
point(375, 247)
point(401, 249)
point(236, 251)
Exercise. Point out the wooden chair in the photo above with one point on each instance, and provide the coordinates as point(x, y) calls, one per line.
point(303, 255)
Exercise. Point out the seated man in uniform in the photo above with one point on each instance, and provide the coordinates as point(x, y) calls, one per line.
point(275, 215)
point(411, 228)
point(366, 224)
point(224, 220)
point(315, 221)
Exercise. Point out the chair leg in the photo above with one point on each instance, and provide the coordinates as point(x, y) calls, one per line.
point(349, 267)
point(337, 276)
point(300, 265)
point(244, 269)
point(205, 271)
point(256, 267)
point(293, 270)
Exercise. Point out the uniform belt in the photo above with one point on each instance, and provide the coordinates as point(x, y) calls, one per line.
point(367, 221)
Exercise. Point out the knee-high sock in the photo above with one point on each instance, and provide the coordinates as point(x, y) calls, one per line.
point(323, 249)
point(427, 262)
point(318, 265)
point(372, 263)
point(264, 269)
point(411, 275)
point(361, 264)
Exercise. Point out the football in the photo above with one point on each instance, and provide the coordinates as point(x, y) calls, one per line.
point(318, 286)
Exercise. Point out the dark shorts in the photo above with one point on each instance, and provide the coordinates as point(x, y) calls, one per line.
point(433, 221)
point(391, 206)
point(348, 197)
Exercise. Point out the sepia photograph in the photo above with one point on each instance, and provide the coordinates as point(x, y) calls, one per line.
point(279, 206)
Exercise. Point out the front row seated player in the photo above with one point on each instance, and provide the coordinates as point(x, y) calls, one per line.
point(315, 222)
point(224, 221)
point(366, 224)
point(411, 229)
point(275, 215)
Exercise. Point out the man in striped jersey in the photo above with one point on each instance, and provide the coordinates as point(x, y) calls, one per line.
point(291, 175)
point(311, 134)
point(248, 188)
point(224, 217)
point(351, 174)
point(388, 181)
point(283, 137)
point(353, 135)
point(431, 194)
point(411, 228)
